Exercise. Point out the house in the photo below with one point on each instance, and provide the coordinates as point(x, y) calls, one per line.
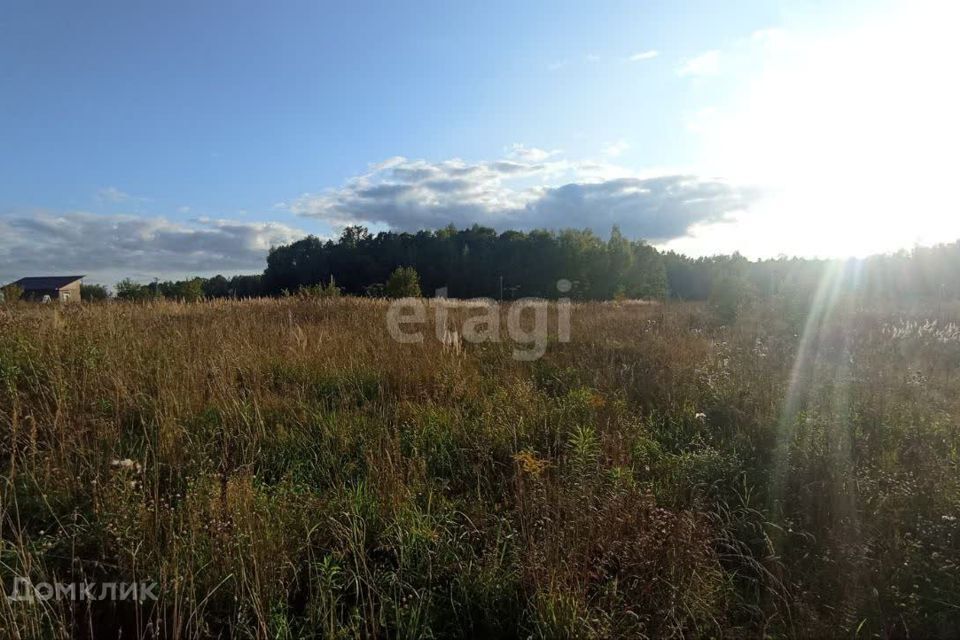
point(47, 288)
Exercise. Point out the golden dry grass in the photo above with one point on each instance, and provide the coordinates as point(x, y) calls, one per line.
point(294, 472)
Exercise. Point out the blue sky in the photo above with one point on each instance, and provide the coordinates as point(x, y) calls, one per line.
point(179, 137)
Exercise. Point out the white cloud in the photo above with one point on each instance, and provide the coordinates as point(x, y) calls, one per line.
point(518, 151)
point(517, 193)
point(114, 195)
point(110, 247)
point(615, 149)
point(643, 55)
point(705, 64)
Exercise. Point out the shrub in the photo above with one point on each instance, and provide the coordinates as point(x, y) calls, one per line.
point(404, 282)
point(729, 296)
point(93, 292)
point(188, 290)
point(127, 289)
point(375, 290)
point(11, 293)
point(331, 290)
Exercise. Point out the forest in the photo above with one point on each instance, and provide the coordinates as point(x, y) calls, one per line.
point(478, 262)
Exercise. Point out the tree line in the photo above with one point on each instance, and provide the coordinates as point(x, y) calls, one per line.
point(190, 290)
point(479, 262)
point(474, 263)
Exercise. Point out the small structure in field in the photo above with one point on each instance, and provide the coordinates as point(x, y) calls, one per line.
point(49, 288)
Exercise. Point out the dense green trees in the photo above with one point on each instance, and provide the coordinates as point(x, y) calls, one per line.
point(924, 273)
point(474, 262)
point(127, 289)
point(479, 262)
point(191, 290)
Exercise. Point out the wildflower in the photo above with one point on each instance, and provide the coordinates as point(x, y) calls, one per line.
point(702, 417)
point(126, 465)
point(760, 349)
point(529, 462)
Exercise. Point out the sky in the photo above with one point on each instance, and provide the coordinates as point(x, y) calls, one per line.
point(164, 140)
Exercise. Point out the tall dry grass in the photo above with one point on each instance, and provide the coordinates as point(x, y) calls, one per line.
point(282, 469)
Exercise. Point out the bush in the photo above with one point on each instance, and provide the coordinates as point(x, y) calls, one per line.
point(404, 282)
point(375, 290)
point(93, 292)
point(127, 289)
point(188, 290)
point(729, 296)
point(11, 293)
point(331, 290)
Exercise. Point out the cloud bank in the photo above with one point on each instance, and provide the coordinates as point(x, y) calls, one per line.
point(527, 189)
point(110, 247)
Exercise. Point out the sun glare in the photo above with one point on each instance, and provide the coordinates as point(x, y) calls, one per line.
point(851, 136)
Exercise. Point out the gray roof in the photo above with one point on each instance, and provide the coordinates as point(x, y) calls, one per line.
point(46, 282)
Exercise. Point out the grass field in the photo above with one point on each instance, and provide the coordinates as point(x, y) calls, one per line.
point(284, 469)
